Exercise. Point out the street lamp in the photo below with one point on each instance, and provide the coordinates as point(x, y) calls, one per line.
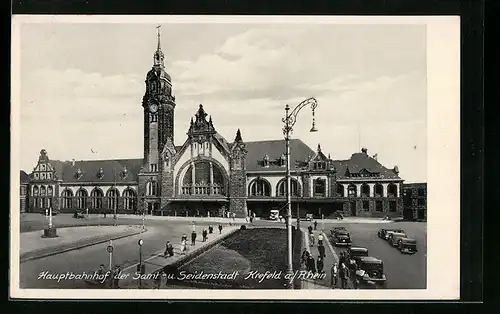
point(289, 121)
point(141, 242)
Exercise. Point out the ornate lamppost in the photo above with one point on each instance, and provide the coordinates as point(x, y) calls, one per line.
point(289, 121)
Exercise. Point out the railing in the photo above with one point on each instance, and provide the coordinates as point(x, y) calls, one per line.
point(202, 189)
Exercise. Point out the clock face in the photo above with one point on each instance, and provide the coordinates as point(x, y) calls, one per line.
point(153, 108)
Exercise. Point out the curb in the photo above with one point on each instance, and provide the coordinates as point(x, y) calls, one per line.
point(76, 247)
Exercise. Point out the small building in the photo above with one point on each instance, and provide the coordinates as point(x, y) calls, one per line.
point(23, 192)
point(415, 201)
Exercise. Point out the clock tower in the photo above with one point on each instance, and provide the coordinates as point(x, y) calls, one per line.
point(158, 104)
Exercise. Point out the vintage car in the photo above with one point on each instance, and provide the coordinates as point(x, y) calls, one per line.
point(407, 245)
point(384, 233)
point(79, 214)
point(394, 238)
point(370, 273)
point(341, 238)
point(309, 217)
point(337, 229)
point(354, 253)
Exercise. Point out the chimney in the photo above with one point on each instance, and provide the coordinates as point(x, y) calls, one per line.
point(364, 151)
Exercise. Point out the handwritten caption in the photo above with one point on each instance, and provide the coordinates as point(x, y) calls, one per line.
point(182, 275)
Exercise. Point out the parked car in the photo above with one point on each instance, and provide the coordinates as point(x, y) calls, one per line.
point(384, 233)
point(407, 245)
point(394, 238)
point(309, 217)
point(370, 272)
point(341, 238)
point(79, 214)
point(274, 214)
point(337, 229)
point(354, 253)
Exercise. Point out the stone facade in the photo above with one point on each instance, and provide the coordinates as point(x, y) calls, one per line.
point(415, 201)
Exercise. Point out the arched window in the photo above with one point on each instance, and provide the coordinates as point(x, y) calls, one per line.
point(112, 196)
point(203, 178)
point(50, 191)
point(96, 195)
point(392, 190)
point(340, 190)
point(35, 191)
point(67, 201)
point(43, 191)
point(81, 198)
point(152, 188)
point(294, 187)
point(352, 191)
point(129, 199)
point(379, 190)
point(259, 187)
point(365, 190)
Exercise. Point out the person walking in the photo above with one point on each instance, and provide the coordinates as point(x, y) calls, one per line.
point(184, 237)
point(320, 239)
point(333, 275)
point(220, 229)
point(205, 235)
point(311, 265)
point(320, 264)
point(210, 229)
point(344, 276)
point(312, 239)
point(304, 257)
point(310, 228)
point(193, 238)
point(183, 247)
point(321, 250)
point(315, 225)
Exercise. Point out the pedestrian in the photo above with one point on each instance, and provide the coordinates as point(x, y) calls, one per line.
point(311, 239)
point(87, 212)
point(220, 229)
point(205, 234)
point(311, 265)
point(193, 238)
point(321, 250)
point(210, 229)
point(342, 259)
point(310, 228)
point(320, 239)
point(116, 277)
point(183, 246)
point(320, 264)
point(194, 227)
point(184, 237)
point(344, 275)
point(104, 213)
point(304, 257)
point(333, 274)
point(315, 225)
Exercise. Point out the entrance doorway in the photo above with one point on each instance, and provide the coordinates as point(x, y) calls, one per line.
point(353, 208)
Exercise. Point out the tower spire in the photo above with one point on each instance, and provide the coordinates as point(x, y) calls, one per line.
point(158, 57)
point(158, 31)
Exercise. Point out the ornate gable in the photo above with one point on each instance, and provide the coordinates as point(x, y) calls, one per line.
point(44, 170)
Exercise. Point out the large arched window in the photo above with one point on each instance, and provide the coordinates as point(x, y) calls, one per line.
point(352, 191)
point(259, 187)
point(81, 198)
point(379, 190)
point(365, 190)
point(67, 195)
point(112, 196)
point(43, 191)
point(340, 190)
point(129, 199)
point(203, 178)
point(35, 196)
point(294, 187)
point(50, 191)
point(96, 196)
point(152, 188)
point(392, 190)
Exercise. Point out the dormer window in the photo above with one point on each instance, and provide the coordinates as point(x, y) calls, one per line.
point(79, 173)
point(283, 160)
point(100, 173)
point(266, 160)
point(124, 172)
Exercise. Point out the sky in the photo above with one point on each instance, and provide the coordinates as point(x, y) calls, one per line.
point(82, 87)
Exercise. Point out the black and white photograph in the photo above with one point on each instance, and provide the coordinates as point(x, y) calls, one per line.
point(287, 154)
